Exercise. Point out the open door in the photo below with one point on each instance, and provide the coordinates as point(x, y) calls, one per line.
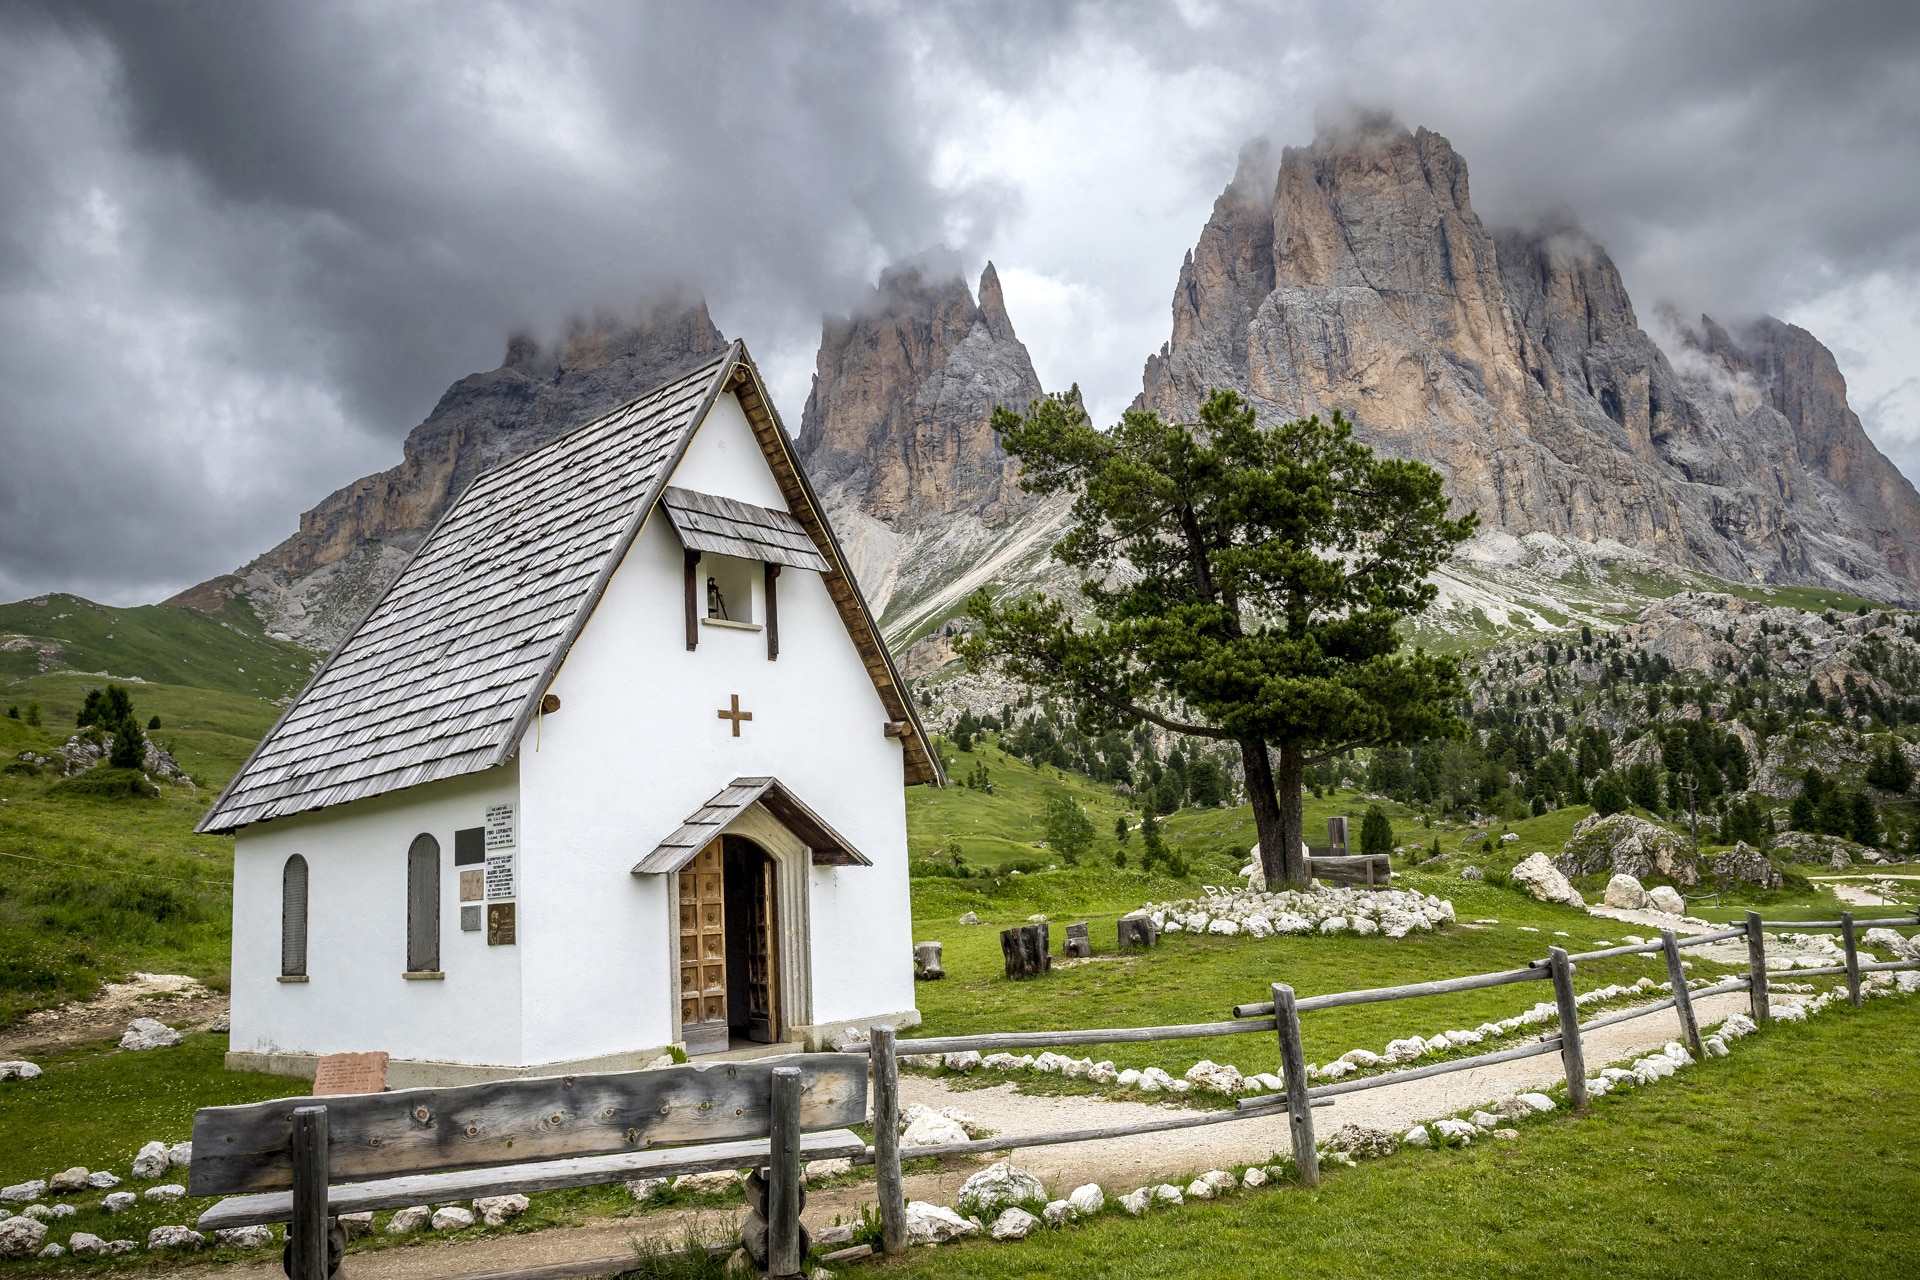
point(752, 942)
point(703, 952)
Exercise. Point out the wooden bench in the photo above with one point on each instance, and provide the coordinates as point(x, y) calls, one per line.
point(1375, 871)
point(304, 1161)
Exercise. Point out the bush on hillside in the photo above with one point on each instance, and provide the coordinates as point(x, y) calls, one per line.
point(107, 782)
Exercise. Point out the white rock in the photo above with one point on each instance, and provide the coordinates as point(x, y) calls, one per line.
point(1736, 1025)
point(101, 1180)
point(1214, 1077)
point(255, 1237)
point(1787, 1010)
point(21, 1192)
point(1154, 1080)
point(707, 1184)
point(1271, 1082)
point(1361, 1057)
point(1678, 1053)
point(1538, 1101)
point(1057, 1213)
point(1460, 1039)
point(1127, 1079)
point(83, 1243)
point(930, 1129)
point(51, 1251)
point(1167, 1193)
point(1484, 1121)
point(1666, 900)
point(970, 918)
point(145, 1033)
point(1599, 1087)
point(409, 1220)
point(1715, 1047)
point(1225, 928)
point(496, 1210)
point(1103, 1073)
point(1458, 1130)
point(1050, 1063)
point(645, 1189)
point(1178, 1086)
point(996, 1187)
point(1014, 1224)
point(1544, 881)
point(1626, 893)
point(174, 1238)
point(452, 1218)
point(848, 1038)
point(114, 1248)
point(1334, 924)
point(356, 1224)
point(62, 1211)
point(936, 1224)
point(118, 1200)
point(165, 1191)
point(1416, 1137)
point(74, 1179)
point(965, 1060)
point(1088, 1199)
point(1199, 1189)
point(18, 1069)
point(152, 1162)
point(823, 1170)
point(1256, 1177)
point(1334, 1070)
point(180, 1155)
point(1136, 1202)
point(21, 1237)
point(1220, 1180)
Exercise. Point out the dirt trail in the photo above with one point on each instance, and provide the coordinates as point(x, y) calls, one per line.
point(1119, 1165)
point(171, 998)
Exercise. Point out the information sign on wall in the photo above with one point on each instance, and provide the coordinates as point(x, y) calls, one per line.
point(500, 876)
point(500, 832)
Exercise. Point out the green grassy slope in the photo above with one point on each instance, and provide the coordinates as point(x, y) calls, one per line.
point(156, 643)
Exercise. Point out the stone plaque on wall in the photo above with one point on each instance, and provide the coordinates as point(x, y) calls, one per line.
point(500, 877)
point(470, 918)
point(500, 924)
point(500, 832)
point(473, 885)
point(340, 1073)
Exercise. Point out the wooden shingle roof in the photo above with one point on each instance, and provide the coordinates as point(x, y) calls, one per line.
point(830, 848)
point(444, 674)
point(725, 526)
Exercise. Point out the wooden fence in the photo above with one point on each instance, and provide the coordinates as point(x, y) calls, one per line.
point(1280, 1015)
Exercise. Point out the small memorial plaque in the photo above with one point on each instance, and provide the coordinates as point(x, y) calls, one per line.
point(470, 918)
point(500, 877)
point(473, 885)
point(500, 827)
point(500, 924)
point(338, 1073)
point(469, 847)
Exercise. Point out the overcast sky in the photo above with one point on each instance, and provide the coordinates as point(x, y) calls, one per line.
point(244, 247)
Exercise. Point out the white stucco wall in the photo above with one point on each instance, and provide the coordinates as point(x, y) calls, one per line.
point(638, 745)
point(355, 998)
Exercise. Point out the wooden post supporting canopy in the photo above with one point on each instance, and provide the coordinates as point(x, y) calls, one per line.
point(1853, 958)
point(889, 1187)
point(1757, 971)
point(693, 599)
point(773, 612)
point(1571, 1056)
point(1682, 998)
point(1293, 1068)
point(307, 1232)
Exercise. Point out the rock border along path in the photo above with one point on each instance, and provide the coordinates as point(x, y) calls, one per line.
point(1116, 1164)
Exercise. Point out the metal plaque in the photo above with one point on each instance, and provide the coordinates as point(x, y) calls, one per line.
point(500, 924)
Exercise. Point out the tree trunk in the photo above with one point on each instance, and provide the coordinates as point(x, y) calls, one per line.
point(1276, 813)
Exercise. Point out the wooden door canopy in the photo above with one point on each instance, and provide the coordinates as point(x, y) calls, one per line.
point(724, 526)
point(830, 848)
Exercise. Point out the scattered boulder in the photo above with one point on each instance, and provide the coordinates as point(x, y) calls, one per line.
point(1167, 1193)
point(1745, 864)
point(965, 1060)
point(18, 1069)
point(708, 1184)
point(1666, 900)
point(119, 1200)
point(999, 1186)
point(1623, 844)
point(497, 1210)
point(1154, 1080)
point(970, 918)
point(1455, 1130)
point(1014, 1224)
point(1136, 1202)
point(21, 1237)
point(1539, 1102)
point(51, 1251)
point(145, 1033)
point(930, 1129)
point(1057, 1213)
point(165, 1192)
point(1215, 1077)
point(22, 1192)
point(408, 1220)
point(152, 1162)
point(356, 1224)
point(936, 1224)
point(101, 1180)
point(84, 1243)
point(1416, 1137)
point(825, 1170)
point(256, 1237)
point(1625, 892)
point(452, 1218)
point(1199, 1189)
point(848, 1038)
point(1255, 1177)
point(1881, 938)
point(221, 1025)
point(1545, 881)
point(180, 1155)
point(645, 1189)
point(43, 1213)
point(175, 1238)
point(1472, 873)
point(1088, 1200)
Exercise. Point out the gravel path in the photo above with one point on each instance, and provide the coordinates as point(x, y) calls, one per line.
point(1118, 1164)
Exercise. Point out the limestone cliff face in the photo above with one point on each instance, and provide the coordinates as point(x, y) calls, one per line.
point(1514, 362)
point(897, 436)
point(317, 583)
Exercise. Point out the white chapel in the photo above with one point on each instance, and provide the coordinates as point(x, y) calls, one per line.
point(615, 764)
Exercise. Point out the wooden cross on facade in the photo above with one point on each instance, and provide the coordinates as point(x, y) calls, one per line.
point(736, 714)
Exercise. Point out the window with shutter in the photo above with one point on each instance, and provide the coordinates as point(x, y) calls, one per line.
point(293, 918)
point(423, 905)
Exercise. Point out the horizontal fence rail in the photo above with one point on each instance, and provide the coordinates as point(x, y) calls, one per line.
point(1281, 1015)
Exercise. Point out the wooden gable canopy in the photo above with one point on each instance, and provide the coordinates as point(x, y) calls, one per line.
point(725, 526)
point(711, 819)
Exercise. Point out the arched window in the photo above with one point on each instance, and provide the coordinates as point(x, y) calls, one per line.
point(293, 918)
point(423, 905)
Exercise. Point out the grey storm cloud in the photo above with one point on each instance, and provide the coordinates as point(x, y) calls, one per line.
point(244, 247)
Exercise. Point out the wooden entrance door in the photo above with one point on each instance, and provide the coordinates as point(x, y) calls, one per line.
point(703, 952)
point(752, 941)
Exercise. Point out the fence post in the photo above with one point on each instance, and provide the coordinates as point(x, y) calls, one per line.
point(888, 1184)
point(1293, 1067)
point(1682, 998)
point(1757, 972)
point(307, 1230)
point(784, 1257)
point(1853, 959)
point(1571, 1057)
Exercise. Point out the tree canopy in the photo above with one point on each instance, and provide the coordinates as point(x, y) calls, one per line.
point(1243, 582)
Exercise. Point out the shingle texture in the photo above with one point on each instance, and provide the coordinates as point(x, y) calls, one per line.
point(435, 681)
point(728, 527)
point(712, 818)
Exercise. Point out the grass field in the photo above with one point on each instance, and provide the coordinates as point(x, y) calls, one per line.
point(1795, 1156)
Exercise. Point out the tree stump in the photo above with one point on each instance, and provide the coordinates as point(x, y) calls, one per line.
point(1025, 949)
point(926, 961)
point(1079, 945)
point(1137, 931)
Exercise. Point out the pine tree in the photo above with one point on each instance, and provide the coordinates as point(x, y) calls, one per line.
point(1376, 832)
point(1120, 829)
point(1863, 820)
point(33, 714)
point(129, 746)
